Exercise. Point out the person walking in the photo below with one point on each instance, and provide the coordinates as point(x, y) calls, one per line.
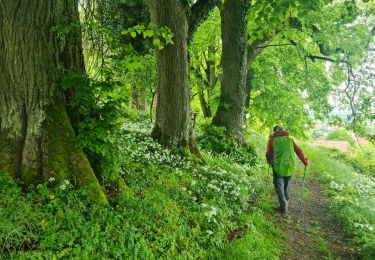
point(280, 155)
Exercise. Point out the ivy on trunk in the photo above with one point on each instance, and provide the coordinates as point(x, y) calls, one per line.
point(234, 64)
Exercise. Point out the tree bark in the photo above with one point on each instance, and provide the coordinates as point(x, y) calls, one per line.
point(173, 108)
point(36, 136)
point(234, 64)
point(72, 57)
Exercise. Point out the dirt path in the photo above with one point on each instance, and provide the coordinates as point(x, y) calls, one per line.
point(311, 233)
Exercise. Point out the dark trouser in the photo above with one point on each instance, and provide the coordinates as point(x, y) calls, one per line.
point(281, 188)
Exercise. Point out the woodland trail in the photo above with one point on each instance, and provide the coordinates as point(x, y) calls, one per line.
point(311, 231)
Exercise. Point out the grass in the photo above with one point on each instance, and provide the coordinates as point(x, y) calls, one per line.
point(352, 196)
point(262, 241)
point(322, 246)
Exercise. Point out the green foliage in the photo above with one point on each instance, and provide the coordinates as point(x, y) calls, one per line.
point(213, 140)
point(65, 26)
point(102, 109)
point(340, 135)
point(261, 243)
point(294, 77)
point(363, 160)
point(175, 208)
point(161, 36)
point(56, 223)
point(294, 85)
point(352, 197)
point(205, 55)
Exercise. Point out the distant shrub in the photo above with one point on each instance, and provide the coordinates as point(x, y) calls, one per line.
point(363, 160)
point(340, 135)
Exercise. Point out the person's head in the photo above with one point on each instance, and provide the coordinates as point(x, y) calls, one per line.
point(278, 128)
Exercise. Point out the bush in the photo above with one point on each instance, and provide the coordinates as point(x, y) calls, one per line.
point(340, 135)
point(212, 140)
point(363, 160)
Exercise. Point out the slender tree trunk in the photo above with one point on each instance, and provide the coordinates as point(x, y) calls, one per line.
point(139, 99)
point(36, 136)
point(211, 77)
point(253, 51)
point(173, 108)
point(234, 63)
point(211, 66)
point(249, 86)
point(204, 104)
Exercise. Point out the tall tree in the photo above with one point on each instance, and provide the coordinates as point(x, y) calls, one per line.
point(173, 109)
point(173, 123)
point(234, 63)
point(36, 136)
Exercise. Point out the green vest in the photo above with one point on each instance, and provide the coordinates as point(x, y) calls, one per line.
point(283, 155)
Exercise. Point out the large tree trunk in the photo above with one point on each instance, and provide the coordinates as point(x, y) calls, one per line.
point(173, 107)
point(36, 136)
point(233, 85)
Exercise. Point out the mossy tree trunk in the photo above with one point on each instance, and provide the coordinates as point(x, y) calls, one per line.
point(36, 136)
point(234, 65)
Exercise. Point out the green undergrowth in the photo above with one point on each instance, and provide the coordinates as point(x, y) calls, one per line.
point(362, 158)
point(176, 207)
point(352, 195)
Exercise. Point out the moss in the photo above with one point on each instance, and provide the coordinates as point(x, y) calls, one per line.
point(119, 183)
point(84, 176)
point(122, 185)
point(6, 158)
point(65, 160)
point(57, 135)
point(194, 149)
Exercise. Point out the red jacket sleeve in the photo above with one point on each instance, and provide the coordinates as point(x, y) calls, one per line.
point(300, 154)
point(269, 153)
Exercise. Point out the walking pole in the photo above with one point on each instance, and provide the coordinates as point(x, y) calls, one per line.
point(303, 187)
